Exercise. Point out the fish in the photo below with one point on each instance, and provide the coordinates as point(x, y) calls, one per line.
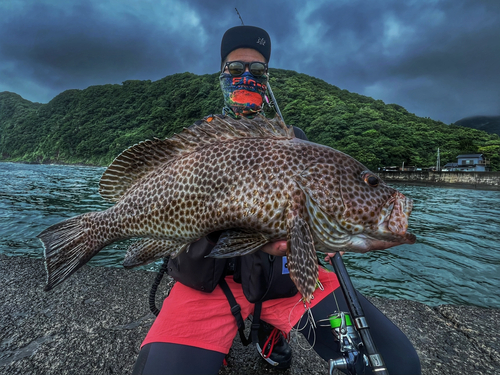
point(250, 178)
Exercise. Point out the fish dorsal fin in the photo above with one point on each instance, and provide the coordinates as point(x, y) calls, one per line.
point(141, 159)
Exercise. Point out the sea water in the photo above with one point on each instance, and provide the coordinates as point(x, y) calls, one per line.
point(456, 259)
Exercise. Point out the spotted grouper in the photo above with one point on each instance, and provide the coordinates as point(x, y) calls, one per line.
point(251, 179)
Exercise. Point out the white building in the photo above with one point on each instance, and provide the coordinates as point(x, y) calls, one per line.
point(469, 163)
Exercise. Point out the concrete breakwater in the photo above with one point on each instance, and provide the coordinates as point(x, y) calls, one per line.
point(469, 180)
point(94, 324)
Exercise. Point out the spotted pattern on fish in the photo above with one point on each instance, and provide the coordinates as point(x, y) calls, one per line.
point(252, 177)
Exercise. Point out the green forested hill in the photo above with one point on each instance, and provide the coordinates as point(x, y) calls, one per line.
point(490, 124)
point(94, 125)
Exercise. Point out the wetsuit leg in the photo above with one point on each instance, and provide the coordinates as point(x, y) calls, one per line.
point(160, 358)
point(397, 351)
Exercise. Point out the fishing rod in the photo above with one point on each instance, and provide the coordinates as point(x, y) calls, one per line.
point(275, 103)
point(273, 99)
point(239, 15)
point(348, 361)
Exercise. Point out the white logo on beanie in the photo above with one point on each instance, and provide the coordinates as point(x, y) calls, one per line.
point(261, 41)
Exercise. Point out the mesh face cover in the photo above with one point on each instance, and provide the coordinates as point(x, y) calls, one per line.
point(243, 95)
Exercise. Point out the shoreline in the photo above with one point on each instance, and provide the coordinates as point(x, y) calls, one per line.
point(455, 180)
point(52, 163)
point(444, 185)
point(389, 177)
point(95, 323)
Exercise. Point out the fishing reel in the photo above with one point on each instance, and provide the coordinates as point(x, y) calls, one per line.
point(350, 360)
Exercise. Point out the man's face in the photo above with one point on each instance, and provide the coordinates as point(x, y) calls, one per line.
point(245, 55)
point(243, 93)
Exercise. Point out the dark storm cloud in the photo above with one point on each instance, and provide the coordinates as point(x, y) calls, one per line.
point(437, 58)
point(276, 17)
point(78, 45)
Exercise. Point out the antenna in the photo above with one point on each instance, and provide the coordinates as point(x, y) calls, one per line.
point(438, 163)
point(239, 16)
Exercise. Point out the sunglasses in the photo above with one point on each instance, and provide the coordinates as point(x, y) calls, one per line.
point(237, 68)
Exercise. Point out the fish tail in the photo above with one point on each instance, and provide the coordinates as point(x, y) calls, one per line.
point(68, 245)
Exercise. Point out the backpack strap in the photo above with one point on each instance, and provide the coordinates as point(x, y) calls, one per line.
point(154, 287)
point(236, 311)
point(256, 324)
point(235, 307)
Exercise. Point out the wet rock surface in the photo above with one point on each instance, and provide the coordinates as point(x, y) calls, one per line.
point(94, 324)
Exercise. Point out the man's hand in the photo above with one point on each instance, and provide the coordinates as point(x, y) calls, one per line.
point(277, 248)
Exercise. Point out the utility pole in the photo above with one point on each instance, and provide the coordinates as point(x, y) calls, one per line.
point(438, 164)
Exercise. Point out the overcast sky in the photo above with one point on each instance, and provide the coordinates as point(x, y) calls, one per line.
point(437, 58)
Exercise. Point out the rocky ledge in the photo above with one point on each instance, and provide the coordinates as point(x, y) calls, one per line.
point(95, 323)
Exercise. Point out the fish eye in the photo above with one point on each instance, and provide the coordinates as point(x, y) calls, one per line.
point(371, 179)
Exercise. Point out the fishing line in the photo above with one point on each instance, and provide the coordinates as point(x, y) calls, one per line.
point(333, 293)
point(309, 319)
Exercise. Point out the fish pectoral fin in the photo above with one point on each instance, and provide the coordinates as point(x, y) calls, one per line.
point(301, 254)
point(147, 250)
point(233, 243)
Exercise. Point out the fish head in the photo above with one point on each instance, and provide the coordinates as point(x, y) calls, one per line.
point(350, 208)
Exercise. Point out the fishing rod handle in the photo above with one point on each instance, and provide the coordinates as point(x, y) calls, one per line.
point(357, 313)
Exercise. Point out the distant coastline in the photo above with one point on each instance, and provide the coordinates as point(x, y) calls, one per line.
point(58, 162)
point(458, 180)
point(463, 180)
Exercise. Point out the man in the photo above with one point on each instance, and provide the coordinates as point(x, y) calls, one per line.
point(195, 329)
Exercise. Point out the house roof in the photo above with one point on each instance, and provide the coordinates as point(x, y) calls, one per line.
point(469, 156)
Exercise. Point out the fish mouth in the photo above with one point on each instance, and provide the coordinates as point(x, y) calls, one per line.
point(391, 229)
point(393, 223)
point(378, 240)
point(399, 208)
point(394, 215)
point(364, 243)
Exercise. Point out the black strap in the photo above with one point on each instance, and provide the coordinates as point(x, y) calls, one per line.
point(236, 311)
point(256, 323)
point(235, 307)
point(154, 287)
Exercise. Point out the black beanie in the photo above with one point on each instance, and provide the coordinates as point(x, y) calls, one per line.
point(245, 37)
